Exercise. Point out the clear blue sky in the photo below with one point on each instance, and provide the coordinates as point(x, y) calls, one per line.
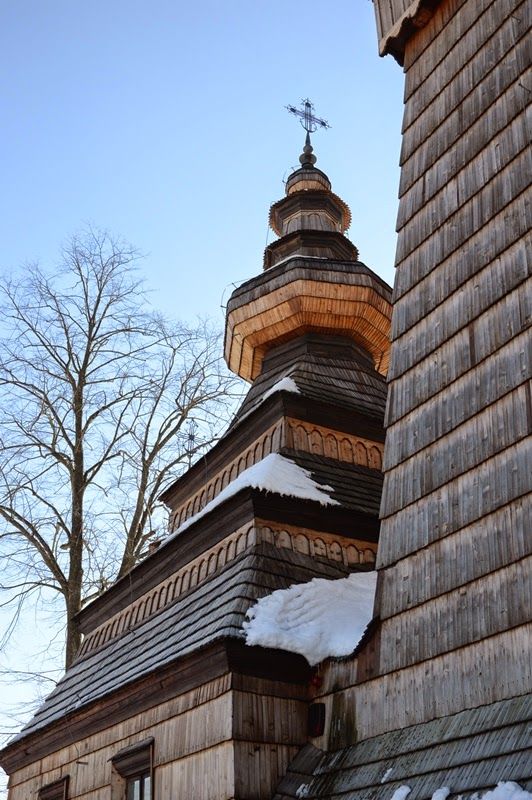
point(164, 122)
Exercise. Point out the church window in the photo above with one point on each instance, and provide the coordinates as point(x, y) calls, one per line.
point(135, 765)
point(58, 790)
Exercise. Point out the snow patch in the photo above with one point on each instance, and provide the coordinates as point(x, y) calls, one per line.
point(386, 775)
point(275, 473)
point(302, 790)
point(401, 793)
point(507, 790)
point(286, 384)
point(318, 619)
point(442, 793)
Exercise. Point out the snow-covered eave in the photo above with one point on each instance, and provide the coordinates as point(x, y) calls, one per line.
point(274, 400)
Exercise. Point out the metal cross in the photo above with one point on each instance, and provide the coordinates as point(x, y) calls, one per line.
point(307, 118)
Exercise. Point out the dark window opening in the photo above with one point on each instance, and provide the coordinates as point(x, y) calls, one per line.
point(58, 790)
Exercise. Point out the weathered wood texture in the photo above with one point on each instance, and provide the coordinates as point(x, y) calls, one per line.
point(299, 540)
point(187, 724)
point(456, 502)
point(178, 634)
point(468, 752)
point(328, 297)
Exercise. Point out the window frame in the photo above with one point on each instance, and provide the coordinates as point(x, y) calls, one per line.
point(57, 790)
point(135, 762)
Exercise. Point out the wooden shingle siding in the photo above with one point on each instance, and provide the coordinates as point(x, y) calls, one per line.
point(474, 442)
point(502, 538)
point(503, 479)
point(164, 721)
point(476, 390)
point(495, 602)
point(433, 94)
point(457, 502)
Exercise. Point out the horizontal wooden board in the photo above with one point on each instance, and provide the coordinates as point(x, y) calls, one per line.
point(493, 603)
point(495, 328)
point(456, 176)
point(504, 478)
point(495, 248)
point(463, 67)
point(499, 189)
point(501, 538)
point(492, 379)
point(490, 239)
point(489, 432)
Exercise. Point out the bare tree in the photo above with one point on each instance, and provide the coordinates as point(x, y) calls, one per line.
point(96, 393)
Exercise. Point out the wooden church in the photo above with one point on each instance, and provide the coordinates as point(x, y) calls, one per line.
point(166, 699)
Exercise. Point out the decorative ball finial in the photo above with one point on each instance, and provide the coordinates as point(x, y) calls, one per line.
point(307, 158)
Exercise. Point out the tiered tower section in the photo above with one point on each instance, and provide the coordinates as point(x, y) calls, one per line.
point(290, 493)
point(313, 280)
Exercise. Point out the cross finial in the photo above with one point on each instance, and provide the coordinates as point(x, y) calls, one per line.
point(306, 117)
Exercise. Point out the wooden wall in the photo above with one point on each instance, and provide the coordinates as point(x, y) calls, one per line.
point(456, 505)
point(231, 738)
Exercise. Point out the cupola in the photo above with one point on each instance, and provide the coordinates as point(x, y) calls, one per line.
point(312, 282)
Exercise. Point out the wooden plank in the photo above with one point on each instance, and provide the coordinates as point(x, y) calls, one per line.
point(493, 603)
point(462, 220)
point(258, 768)
point(493, 329)
point(450, 81)
point(209, 775)
point(454, 560)
point(501, 249)
point(450, 22)
point(489, 432)
point(484, 112)
point(267, 719)
point(504, 478)
point(458, 174)
point(492, 379)
point(490, 239)
point(481, 673)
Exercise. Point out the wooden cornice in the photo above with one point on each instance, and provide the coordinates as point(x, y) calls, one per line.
point(233, 514)
point(225, 656)
point(416, 16)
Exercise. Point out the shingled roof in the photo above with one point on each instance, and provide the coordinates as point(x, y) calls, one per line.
point(466, 752)
point(342, 376)
point(213, 610)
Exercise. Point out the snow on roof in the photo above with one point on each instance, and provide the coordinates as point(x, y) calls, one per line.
point(318, 619)
point(505, 790)
point(286, 384)
point(275, 473)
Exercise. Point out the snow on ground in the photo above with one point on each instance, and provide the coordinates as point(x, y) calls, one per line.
point(386, 775)
point(275, 473)
point(318, 619)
